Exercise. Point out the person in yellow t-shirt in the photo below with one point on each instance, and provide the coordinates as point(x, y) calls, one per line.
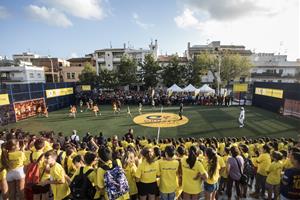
point(146, 175)
point(77, 162)
point(213, 170)
point(130, 168)
point(274, 176)
point(90, 161)
point(82, 151)
point(263, 164)
point(224, 174)
point(106, 162)
point(193, 173)
point(3, 182)
point(168, 168)
point(57, 181)
point(13, 159)
point(67, 163)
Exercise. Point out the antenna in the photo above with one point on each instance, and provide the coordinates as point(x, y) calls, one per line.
point(110, 44)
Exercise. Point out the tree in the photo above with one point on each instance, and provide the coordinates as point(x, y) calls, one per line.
point(88, 75)
point(108, 79)
point(192, 74)
point(150, 68)
point(127, 70)
point(232, 66)
point(174, 73)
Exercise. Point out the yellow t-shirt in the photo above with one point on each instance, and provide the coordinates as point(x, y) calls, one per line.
point(187, 145)
point(60, 191)
point(287, 164)
point(130, 171)
point(143, 142)
point(146, 172)
point(263, 164)
point(92, 177)
point(16, 159)
point(100, 181)
point(82, 152)
point(224, 174)
point(189, 185)
point(168, 175)
point(221, 148)
point(35, 156)
point(252, 150)
point(47, 147)
point(70, 166)
point(274, 173)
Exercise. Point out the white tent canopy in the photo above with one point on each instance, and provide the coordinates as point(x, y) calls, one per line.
point(174, 88)
point(206, 89)
point(189, 88)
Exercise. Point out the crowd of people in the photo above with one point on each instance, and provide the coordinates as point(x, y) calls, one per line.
point(54, 166)
point(159, 97)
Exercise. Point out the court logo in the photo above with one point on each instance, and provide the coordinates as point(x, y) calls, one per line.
point(162, 120)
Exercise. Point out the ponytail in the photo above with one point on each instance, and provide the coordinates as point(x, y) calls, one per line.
point(212, 160)
point(191, 160)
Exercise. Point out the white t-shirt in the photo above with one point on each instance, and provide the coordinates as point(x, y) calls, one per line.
point(242, 114)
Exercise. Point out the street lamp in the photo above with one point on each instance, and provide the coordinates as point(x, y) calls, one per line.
point(219, 68)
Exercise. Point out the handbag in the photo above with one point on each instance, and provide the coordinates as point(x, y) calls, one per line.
point(244, 178)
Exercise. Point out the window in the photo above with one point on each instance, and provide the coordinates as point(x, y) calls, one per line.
point(31, 75)
point(73, 75)
point(39, 75)
point(68, 75)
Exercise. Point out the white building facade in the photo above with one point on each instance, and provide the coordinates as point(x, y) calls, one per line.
point(268, 67)
point(22, 74)
point(110, 58)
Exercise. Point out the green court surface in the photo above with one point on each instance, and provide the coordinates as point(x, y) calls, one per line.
point(203, 122)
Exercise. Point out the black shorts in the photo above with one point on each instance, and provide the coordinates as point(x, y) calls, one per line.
point(38, 189)
point(148, 189)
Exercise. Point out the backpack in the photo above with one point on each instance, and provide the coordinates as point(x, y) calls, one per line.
point(115, 181)
point(32, 176)
point(249, 169)
point(81, 187)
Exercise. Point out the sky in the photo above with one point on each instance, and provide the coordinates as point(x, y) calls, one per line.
point(73, 28)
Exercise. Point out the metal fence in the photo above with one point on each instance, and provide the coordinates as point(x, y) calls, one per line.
point(23, 92)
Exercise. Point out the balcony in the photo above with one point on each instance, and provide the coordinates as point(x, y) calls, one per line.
point(266, 74)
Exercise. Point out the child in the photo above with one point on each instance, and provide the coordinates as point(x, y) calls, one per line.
point(146, 175)
point(81, 105)
point(13, 160)
point(213, 169)
point(168, 174)
point(193, 173)
point(58, 177)
point(263, 164)
point(90, 161)
point(140, 108)
point(130, 170)
point(96, 110)
point(274, 173)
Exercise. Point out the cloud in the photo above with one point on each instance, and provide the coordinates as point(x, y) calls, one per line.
point(187, 20)
point(230, 9)
point(275, 29)
point(141, 24)
point(85, 9)
point(74, 55)
point(3, 12)
point(49, 16)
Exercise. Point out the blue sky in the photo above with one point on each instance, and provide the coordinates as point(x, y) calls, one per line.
point(63, 28)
